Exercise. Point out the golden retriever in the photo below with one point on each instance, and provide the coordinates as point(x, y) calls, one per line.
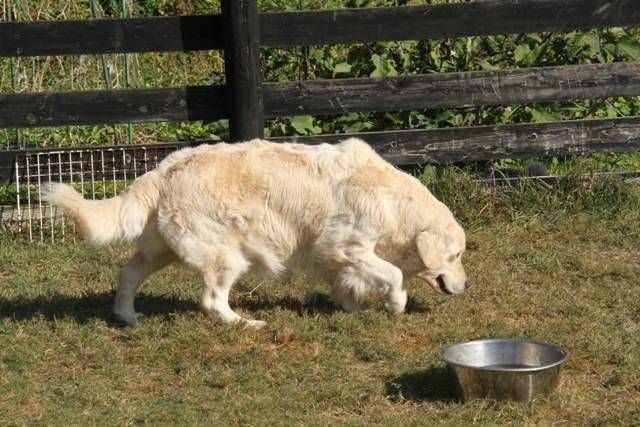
point(338, 211)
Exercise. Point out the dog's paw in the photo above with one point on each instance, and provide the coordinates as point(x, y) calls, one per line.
point(394, 309)
point(254, 324)
point(129, 319)
point(396, 303)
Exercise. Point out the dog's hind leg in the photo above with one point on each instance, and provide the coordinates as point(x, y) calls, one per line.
point(218, 281)
point(132, 275)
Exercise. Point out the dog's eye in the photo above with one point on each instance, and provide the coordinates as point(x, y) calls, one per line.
point(455, 257)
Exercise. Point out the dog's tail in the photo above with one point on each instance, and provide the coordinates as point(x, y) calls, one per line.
point(121, 218)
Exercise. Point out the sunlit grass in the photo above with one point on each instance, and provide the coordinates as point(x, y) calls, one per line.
point(555, 266)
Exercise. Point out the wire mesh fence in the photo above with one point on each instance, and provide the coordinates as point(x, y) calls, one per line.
point(96, 172)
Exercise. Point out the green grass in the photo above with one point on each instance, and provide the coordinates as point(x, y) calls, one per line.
point(559, 266)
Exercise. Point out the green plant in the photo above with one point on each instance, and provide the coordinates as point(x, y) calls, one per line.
point(320, 62)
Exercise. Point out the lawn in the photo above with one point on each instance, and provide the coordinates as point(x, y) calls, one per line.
point(556, 265)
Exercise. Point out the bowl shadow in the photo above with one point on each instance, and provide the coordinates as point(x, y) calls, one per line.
point(435, 384)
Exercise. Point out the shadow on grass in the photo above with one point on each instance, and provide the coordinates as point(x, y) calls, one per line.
point(89, 307)
point(98, 306)
point(432, 385)
point(319, 303)
point(415, 305)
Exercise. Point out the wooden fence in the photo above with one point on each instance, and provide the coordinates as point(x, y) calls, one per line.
point(240, 31)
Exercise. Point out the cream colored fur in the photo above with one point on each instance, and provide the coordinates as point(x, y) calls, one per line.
point(338, 211)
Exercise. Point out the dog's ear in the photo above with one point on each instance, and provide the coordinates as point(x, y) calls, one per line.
point(431, 249)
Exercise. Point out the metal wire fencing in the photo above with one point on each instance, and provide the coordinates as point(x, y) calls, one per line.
point(96, 172)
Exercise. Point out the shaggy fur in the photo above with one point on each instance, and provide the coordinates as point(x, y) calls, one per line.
point(339, 211)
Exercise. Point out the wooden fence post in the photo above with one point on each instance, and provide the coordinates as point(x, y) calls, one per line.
point(243, 71)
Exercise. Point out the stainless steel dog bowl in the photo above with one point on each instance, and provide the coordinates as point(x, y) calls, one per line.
point(505, 369)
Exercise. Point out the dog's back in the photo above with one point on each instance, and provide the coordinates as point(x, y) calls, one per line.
point(284, 190)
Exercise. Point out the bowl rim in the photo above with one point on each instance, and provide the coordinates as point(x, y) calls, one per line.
point(561, 350)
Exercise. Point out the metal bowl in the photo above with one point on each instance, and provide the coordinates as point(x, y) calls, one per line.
point(505, 369)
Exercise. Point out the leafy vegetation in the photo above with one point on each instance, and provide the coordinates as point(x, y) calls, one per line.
point(316, 62)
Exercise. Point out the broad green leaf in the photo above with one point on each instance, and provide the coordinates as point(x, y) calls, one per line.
point(303, 124)
point(542, 116)
point(318, 55)
point(629, 48)
point(595, 49)
point(384, 66)
point(341, 68)
point(521, 53)
point(485, 65)
point(534, 37)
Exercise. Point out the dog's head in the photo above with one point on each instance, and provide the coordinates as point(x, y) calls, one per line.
point(441, 254)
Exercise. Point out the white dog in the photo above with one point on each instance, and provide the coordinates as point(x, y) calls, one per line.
point(339, 211)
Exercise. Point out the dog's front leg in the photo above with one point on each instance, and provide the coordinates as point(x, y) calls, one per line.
point(368, 273)
point(396, 300)
point(389, 279)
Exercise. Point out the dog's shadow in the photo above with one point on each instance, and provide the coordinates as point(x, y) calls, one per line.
point(435, 384)
point(320, 303)
point(89, 307)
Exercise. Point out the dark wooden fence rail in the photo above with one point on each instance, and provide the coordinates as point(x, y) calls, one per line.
point(112, 106)
point(480, 18)
point(97, 36)
point(283, 29)
point(449, 90)
point(318, 97)
point(338, 96)
point(408, 147)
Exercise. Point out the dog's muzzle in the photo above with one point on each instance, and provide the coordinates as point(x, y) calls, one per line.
point(442, 285)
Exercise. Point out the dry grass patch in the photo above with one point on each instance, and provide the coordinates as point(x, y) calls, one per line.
point(554, 272)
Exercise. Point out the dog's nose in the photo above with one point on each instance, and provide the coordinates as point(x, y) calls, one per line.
point(467, 285)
